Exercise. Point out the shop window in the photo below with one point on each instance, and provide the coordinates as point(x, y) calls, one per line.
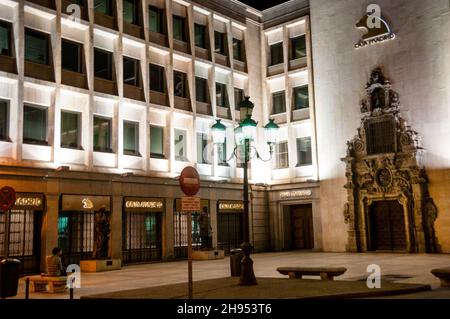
point(200, 35)
point(298, 46)
point(301, 97)
point(155, 19)
point(278, 102)
point(34, 125)
point(131, 11)
point(156, 141)
point(103, 64)
point(238, 98)
point(219, 42)
point(131, 71)
point(157, 78)
point(179, 28)
point(202, 149)
point(180, 87)
point(104, 7)
point(102, 134)
point(282, 155)
point(5, 39)
point(180, 142)
point(131, 138)
point(237, 50)
point(70, 130)
point(304, 154)
point(201, 89)
point(36, 47)
point(4, 121)
point(276, 53)
point(221, 95)
point(71, 56)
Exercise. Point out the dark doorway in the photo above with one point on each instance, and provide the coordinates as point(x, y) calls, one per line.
point(387, 227)
point(229, 231)
point(142, 237)
point(302, 227)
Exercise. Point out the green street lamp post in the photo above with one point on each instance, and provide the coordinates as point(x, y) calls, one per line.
point(245, 133)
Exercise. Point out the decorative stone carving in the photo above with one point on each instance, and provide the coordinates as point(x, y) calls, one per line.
point(394, 175)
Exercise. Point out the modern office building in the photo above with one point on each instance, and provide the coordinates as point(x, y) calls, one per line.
point(104, 102)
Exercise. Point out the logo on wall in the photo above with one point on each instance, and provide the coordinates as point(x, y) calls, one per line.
point(377, 29)
point(87, 203)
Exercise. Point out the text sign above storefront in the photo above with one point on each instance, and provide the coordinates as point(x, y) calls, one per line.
point(296, 193)
point(231, 206)
point(7, 198)
point(144, 204)
point(189, 181)
point(29, 201)
point(190, 204)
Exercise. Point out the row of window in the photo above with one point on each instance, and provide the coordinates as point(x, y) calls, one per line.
point(297, 50)
point(179, 24)
point(300, 100)
point(35, 123)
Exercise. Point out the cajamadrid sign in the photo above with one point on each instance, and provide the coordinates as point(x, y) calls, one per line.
point(377, 29)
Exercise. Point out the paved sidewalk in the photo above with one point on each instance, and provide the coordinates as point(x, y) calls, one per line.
point(401, 268)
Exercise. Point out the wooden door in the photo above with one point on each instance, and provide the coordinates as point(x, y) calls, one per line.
point(302, 227)
point(387, 226)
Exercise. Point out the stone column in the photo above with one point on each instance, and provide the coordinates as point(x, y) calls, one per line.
point(167, 230)
point(115, 241)
point(49, 231)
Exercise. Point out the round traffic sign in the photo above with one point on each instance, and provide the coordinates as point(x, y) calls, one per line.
point(189, 181)
point(7, 198)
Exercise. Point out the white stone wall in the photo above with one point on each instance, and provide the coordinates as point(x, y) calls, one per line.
point(418, 64)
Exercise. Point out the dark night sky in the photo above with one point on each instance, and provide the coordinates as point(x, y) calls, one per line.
point(262, 4)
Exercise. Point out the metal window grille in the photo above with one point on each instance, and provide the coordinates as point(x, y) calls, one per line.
point(181, 234)
point(380, 137)
point(229, 235)
point(142, 237)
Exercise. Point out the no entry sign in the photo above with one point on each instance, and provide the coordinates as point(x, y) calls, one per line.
point(190, 181)
point(7, 198)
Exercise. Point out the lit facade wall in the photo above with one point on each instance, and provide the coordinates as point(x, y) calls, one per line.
point(417, 62)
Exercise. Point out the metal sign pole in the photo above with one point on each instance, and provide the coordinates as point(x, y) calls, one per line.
point(189, 230)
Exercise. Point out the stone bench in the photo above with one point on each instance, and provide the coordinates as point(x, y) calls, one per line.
point(325, 273)
point(40, 283)
point(443, 274)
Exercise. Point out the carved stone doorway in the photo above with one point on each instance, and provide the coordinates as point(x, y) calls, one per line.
point(384, 166)
point(387, 227)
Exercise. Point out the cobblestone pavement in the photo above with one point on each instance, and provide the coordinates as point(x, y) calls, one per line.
point(404, 268)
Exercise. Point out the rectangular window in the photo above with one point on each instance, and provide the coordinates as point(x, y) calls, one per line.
point(131, 71)
point(278, 102)
point(237, 49)
point(179, 28)
point(103, 6)
point(222, 153)
point(298, 46)
point(102, 134)
point(200, 35)
point(221, 95)
point(103, 64)
point(34, 125)
point(202, 151)
point(5, 39)
point(131, 138)
point(4, 121)
point(201, 89)
point(155, 19)
point(276, 53)
point(131, 11)
point(282, 155)
point(36, 47)
point(180, 142)
point(304, 155)
point(71, 56)
point(238, 98)
point(380, 137)
point(157, 78)
point(179, 81)
point(70, 129)
point(219, 42)
point(301, 97)
point(156, 141)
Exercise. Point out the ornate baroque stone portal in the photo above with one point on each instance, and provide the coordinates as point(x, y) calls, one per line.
point(383, 163)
